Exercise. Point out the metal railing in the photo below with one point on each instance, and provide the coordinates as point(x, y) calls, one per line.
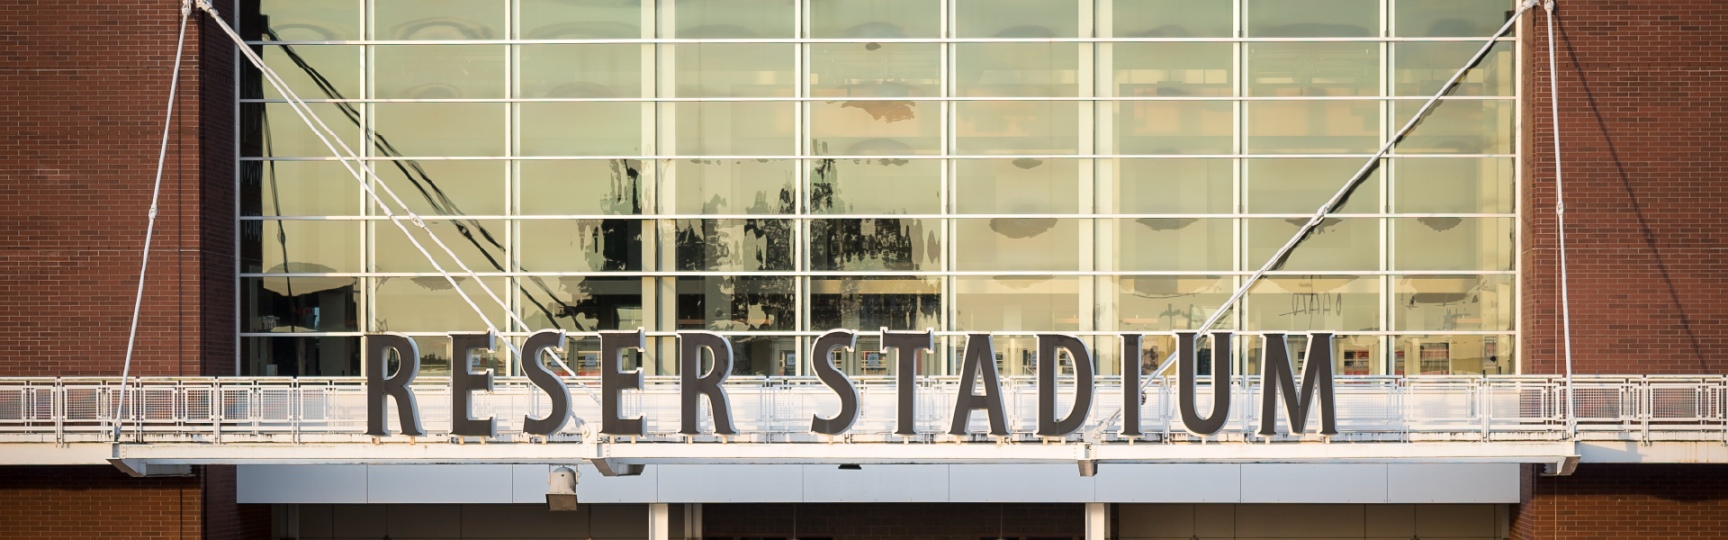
point(212, 410)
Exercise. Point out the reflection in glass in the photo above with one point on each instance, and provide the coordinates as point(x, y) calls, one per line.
point(884, 70)
point(275, 130)
point(581, 129)
point(338, 65)
point(1173, 69)
point(1313, 127)
point(1458, 127)
point(1016, 69)
point(443, 129)
point(1174, 186)
point(1314, 303)
point(581, 245)
point(1337, 244)
point(1174, 244)
point(1451, 243)
point(288, 303)
point(863, 19)
point(1017, 127)
point(736, 303)
point(581, 303)
point(1301, 185)
point(875, 302)
point(588, 70)
point(733, 245)
point(875, 127)
point(1454, 355)
point(1019, 186)
point(733, 128)
point(438, 71)
point(1174, 127)
point(298, 188)
point(731, 186)
point(580, 186)
point(881, 186)
point(1314, 69)
point(1172, 18)
point(1453, 302)
point(1012, 303)
point(307, 246)
point(438, 19)
point(443, 187)
point(479, 244)
point(1017, 244)
point(1016, 18)
point(579, 19)
point(325, 356)
point(1351, 355)
point(1312, 18)
point(874, 244)
point(430, 304)
point(734, 19)
point(1423, 67)
point(734, 69)
point(1160, 303)
point(1453, 185)
point(1448, 18)
point(311, 20)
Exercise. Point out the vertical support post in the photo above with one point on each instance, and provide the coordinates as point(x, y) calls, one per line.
point(659, 522)
point(692, 521)
point(1097, 521)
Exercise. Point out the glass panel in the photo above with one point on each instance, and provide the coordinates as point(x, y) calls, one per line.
point(1458, 127)
point(1337, 244)
point(1174, 186)
point(1423, 67)
point(1313, 127)
point(1318, 303)
point(430, 304)
point(1450, 243)
point(588, 186)
point(1449, 18)
point(1454, 355)
point(275, 130)
point(883, 70)
point(312, 20)
point(1351, 355)
point(733, 129)
point(736, 303)
point(1453, 185)
point(443, 187)
point(438, 71)
point(299, 188)
point(1018, 244)
point(1160, 303)
point(875, 127)
point(300, 356)
point(480, 244)
point(300, 303)
point(309, 246)
point(1454, 302)
point(1016, 18)
point(593, 70)
point(1300, 186)
point(300, 66)
point(586, 245)
point(882, 186)
point(1314, 69)
point(442, 129)
point(734, 19)
point(732, 245)
point(1016, 69)
point(1174, 69)
point(1172, 18)
point(1174, 244)
point(869, 303)
point(579, 19)
point(1313, 18)
point(731, 186)
point(438, 19)
point(581, 303)
point(865, 19)
point(1015, 303)
point(875, 244)
point(1017, 127)
point(581, 129)
point(1174, 127)
point(734, 69)
point(1020, 186)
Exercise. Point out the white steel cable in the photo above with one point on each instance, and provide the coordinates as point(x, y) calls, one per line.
point(155, 197)
point(1560, 221)
point(1338, 197)
point(345, 155)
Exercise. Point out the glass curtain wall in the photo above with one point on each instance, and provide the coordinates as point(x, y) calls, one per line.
point(771, 169)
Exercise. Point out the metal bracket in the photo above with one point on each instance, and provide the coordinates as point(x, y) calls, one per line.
point(139, 468)
point(610, 467)
point(1564, 467)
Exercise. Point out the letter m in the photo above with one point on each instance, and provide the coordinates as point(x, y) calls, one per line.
point(1279, 377)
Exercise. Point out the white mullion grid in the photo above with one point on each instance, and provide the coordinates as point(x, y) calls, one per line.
point(368, 307)
point(512, 228)
point(903, 273)
point(1074, 215)
point(800, 172)
point(1085, 78)
point(1105, 176)
point(239, 292)
point(808, 99)
point(1518, 53)
point(665, 136)
point(655, 303)
point(1238, 176)
point(1477, 39)
point(943, 359)
point(890, 156)
point(1388, 244)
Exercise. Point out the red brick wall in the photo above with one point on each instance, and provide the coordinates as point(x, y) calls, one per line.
point(96, 502)
point(893, 521)
point(1627, 501)
point(1642, 98)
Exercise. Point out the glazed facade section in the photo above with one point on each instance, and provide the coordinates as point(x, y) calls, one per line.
point(771, 169)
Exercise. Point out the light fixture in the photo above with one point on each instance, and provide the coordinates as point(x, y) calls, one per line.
point(561, 490)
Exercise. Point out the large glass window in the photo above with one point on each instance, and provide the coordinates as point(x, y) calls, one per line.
point(771, 169)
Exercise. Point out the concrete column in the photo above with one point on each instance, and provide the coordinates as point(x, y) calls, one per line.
point(1097, 521)
point(693, 521)
point(659, 522)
